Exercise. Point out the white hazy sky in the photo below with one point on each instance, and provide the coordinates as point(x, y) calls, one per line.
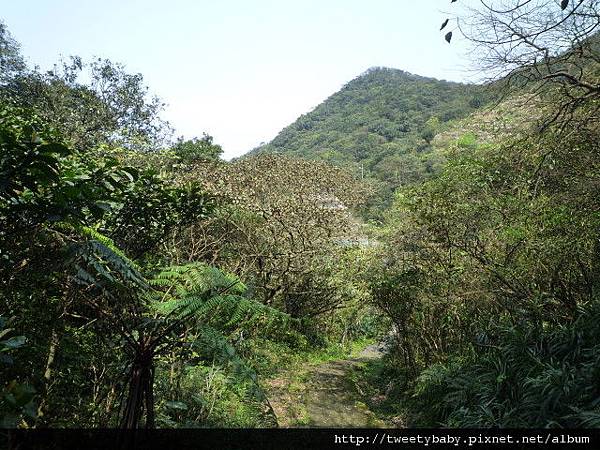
point(240, 70)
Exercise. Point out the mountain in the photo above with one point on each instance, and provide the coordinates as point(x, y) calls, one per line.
point(381, 124)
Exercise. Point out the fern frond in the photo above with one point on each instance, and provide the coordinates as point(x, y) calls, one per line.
point(215, 346)
point(98, 263)
point(212, 296)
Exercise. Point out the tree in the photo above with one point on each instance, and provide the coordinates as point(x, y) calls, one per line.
point(179, 306)
point(69, 285)
point(85, 246)
point(197, 149)
point(11, 61)
point(111, 106)
point(48, 192)
point(553, 46)
point(281, 224)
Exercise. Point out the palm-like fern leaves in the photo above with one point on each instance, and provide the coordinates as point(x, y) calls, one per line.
point(206, 293)
point(100, 264)
point(195, 296)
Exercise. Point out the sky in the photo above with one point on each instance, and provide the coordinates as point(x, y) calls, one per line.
point(240, 70)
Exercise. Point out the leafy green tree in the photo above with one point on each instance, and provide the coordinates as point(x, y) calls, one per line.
point(184, 299)
point(110, 106)
point(283, 222)
point(11, 61)
point(53, 200)
point(50, 191)
point(197, 149)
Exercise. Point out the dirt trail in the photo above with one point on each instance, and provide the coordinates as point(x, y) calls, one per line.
point(323, 396)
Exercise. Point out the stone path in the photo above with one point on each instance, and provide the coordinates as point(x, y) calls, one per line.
point(323, 396)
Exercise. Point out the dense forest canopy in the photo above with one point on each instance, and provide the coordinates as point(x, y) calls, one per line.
point(145, 282)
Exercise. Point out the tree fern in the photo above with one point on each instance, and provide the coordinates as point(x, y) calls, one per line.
point(204, 292)
point(195, 297)
point(98, 262)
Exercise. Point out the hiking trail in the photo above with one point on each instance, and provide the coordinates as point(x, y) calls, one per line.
point(323, 395)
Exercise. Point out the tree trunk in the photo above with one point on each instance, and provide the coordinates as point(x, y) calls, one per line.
point(54, 341)
point(140, 397)
point(150, 398)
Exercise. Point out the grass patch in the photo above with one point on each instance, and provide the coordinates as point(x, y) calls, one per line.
point(381, 390)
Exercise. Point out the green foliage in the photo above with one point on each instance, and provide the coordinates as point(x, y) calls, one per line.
point(151, 209)
point(111, 105)
point(380, 125)
point(100, 265)
point(218, 399)
point(530, 378)
point(198, 295)
point(489, 274)
point(55, 203)
point(214, 297)
point(44, 182)
point(17, 399)
point(197, 150)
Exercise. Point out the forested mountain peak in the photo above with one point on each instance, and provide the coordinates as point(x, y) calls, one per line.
point(381, 125)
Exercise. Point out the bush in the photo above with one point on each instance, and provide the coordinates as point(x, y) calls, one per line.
point(529, 377)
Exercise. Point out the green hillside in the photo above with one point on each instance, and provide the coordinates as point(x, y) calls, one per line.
point(381, 123)
point(147, 283)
